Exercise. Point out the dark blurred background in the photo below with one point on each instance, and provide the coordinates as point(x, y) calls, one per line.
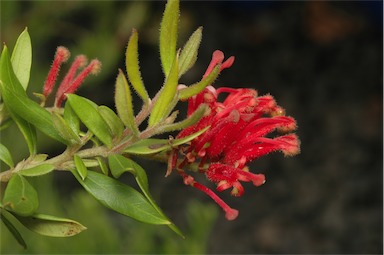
point(322, 61)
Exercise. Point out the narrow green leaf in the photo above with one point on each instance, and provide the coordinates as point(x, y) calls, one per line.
point(177, 142)
point(80, 167)
point(6, 124)
point(91, 118)
point(168, 35)
point(71, 118)
point(38, 158)
point(20, 104)
point(20, 197)
point(53, 226)
point(148, 146)
point(22, 58)
point(152, 145)
point(120, 198)
point(4, 115)
point(123, 102)
point(196, 88)
point(188, 55)
point(194, 118)
point(114, 123)
point(90, 163)
point(37, 170)
point(133, 68)
point(64, 130)
point(15, 233)
point(120, 164)
point(167, 94)
point(27, 130)
point(103, 165)
point(6, 156)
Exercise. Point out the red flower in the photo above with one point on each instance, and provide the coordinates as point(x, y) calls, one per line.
point(237, 135)
point(71, 82)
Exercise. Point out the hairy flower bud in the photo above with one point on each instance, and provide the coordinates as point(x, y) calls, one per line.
point(61, 56)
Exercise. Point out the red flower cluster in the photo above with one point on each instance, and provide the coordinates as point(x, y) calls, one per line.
point(237, 135)
point(70, 83)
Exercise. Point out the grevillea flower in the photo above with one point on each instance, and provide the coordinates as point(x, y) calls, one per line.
point(241, 129)
point(71, 82)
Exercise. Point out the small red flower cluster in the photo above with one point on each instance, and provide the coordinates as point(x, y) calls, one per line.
point(237, 135)
point(70, 83)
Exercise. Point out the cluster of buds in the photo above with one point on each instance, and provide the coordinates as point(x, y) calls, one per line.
point(237, 135)
point(71, 82)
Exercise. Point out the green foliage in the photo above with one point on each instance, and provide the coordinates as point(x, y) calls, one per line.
point(64, 130)
point(123, 102)
point(53, 226)
point(22, 58)
point(12, 229)
point(197, 87)
point(71, 119)
point(192, 119)
point(133, 69)
point(20, 104)
point(114, 122)
point(80, 167)
point(163, 105)
point(96, 136)
point(37, 170)
point(121, 198)
point(112, 234)
point(89, 115)
point(168, 35)
point(6, 156)
point(20, 197)
point(120, 164)
point(153, 145)
point(188, 55)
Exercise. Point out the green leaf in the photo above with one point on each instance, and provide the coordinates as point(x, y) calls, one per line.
point(114, 123)
point(133, 68)
point(152, 145)
point(15, 233)
point(123, 102)
point(53, 226)
point(38, 158)
point(103, 165)
point(20, 197)
point(20, 104)
point(91, 118)
point(5, 124)
point(71, 118)
point(120, 164)
point(191, 120)
point(168, 35)
point(80, 167)
point(196, 88)
point(120, 198)
point(37, 170)
point(188, 55)
point(6, 156)
point(27, 130)
point(22, 58)
point(64, 130)
point(167, 94)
